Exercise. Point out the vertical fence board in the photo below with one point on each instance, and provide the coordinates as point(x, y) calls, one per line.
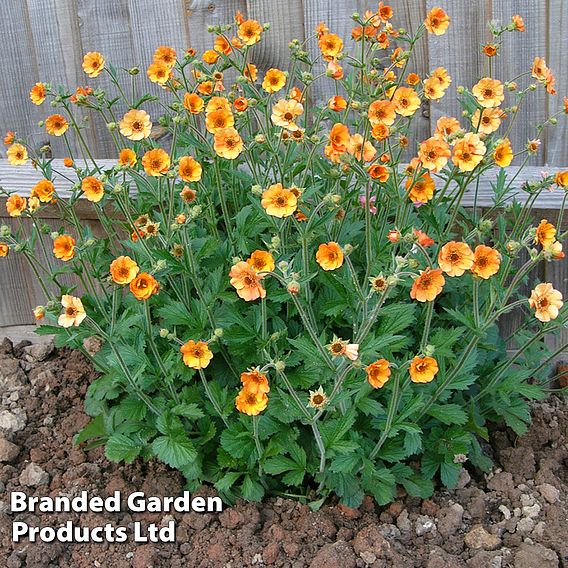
point(285, 25)
point(19, 73)
point(105, 27)
point(556, 147)
point(458, 50)
point(518, 53)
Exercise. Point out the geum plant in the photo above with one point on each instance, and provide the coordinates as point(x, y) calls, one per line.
point(288, 298)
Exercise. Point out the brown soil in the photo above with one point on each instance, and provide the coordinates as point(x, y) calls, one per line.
point(516, 516)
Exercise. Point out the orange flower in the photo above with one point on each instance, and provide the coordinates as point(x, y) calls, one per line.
point(188, 195)
point(16, 205)
point(93, 63)
point(446, 126)
point(434, 154)
point(64, 247)
point(437, 21)
point(455, 258)
point(127, 157)
point(222, 45)
point(39, 313)
point(503, 154)
point(9, 137)
point(468, 152)
point(519, 23)
point(342, 348)
point(423, 369)
point(251, 72)
point(274, 80)
point(554, 251)
point(228, 144)
point(442, 75)
point(546, 301)
point(561, 179)
point(433, 89)
point(261, 261)
point(334, 70)
point(296, 94)
point(240, 104)
point(159, 72)
point(285, 113)
point(205, 88)
point(249, 32)
point(166, 55)
point(43, 190)
point(422, 238)
point(330, 45)
point(380, 172)
point(193, 103)
point(68, 162)
point(339, 137)
point(143, 286)
point(218, 103)
point(156, 162)
point(93, 189)
point(189, 169)
point(489, 49)
point(17, 154)
point(428, 285)
point(413, 79)
point(219, 120)
point(255, 381)
point(135, 125)
point(4, 249)
point(251, 403)
point(196, 354)
point(489, 92)
point(246, 281)
point(329, 256)
point(38, 93)
point(56, 125)
point(123, 270)
point(378, 373)
point(543, 75)
point(422, 190)
point(279, 201)
point(489, 121)
point(210, 56)
point(545, 233)
point(74, 312)
point(337, 103)
point(362, 151)
point(406, 101)
point(382, 112)
point(486, 262)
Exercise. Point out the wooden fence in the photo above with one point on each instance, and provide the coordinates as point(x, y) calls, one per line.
point(44, 40)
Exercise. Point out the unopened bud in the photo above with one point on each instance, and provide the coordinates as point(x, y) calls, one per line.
point(164, 333)
point(279, 366)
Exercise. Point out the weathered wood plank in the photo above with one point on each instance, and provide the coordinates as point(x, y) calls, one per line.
point(556, 147)
point(285, 25)
point(105, 27)
point(55, 35)
point(518, 53)
point(21, 179)
point(19, 73)
point(458, 50)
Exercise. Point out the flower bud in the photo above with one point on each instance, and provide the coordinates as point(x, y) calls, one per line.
point(164, 333)
point(275, 242)
point(283, 266)
point(429, 350)
point(293, 287)
point(218, 332)
point(279, 366)
point(348, 248)
point(256, 190)
point(54, 235)
point(134, 70)
point(112, 126)
point(260, 138)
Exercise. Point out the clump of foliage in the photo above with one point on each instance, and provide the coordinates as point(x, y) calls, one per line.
point(286, 296)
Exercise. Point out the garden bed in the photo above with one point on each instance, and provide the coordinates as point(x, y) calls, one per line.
point(515, 516)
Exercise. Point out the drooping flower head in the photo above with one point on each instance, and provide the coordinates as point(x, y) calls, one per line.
point(255, 381)
point(93, 63)
point(247, 282)
point(73, 311)
point(251, 403)
point(329, 256)
point(196, 354)
point(64, 247)
point(428, 285)
point(378, 373)
point(144, 286)
point(423, 369)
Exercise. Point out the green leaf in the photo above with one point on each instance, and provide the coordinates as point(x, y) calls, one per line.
point(121, 448)
point(94, 429)
point(252, 490)
point(188, 410)
point(450, 472)
point(448, 413)
point(176, 451)
point(417, 486)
